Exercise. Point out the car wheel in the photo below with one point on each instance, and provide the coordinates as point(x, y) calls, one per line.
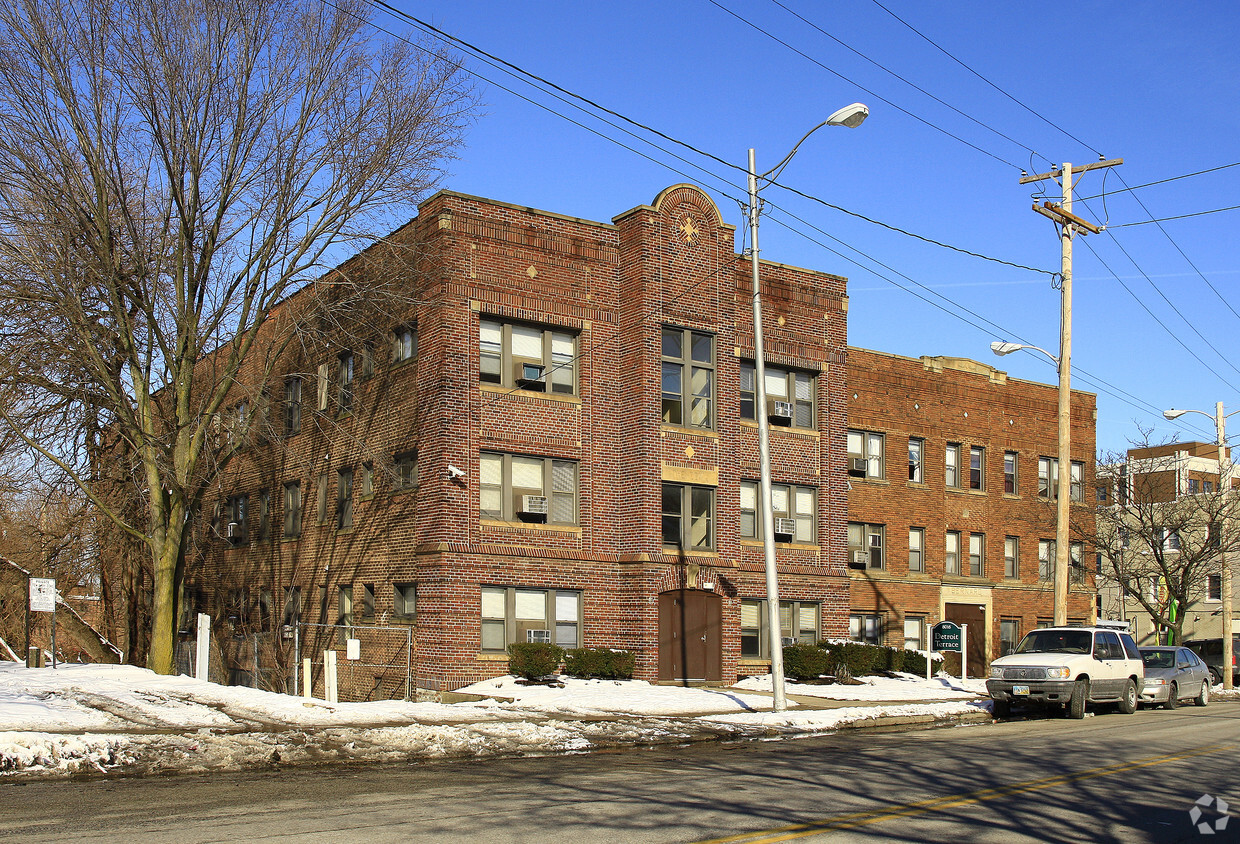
point(1001, 708)
point(1216, 676)
point(1173, 697)
point(1128, 703)
point(1203, 697)
point(1076, 703)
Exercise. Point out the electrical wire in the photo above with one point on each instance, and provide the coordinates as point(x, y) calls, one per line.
point(1166, 181)
point(1177, 217)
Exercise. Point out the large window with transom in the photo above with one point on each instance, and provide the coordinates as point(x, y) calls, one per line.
point(688, 377)
point(527, 357)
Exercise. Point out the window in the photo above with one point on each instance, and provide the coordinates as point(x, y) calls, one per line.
point(1102, 494)
point(368, 480)
point(366, 361)
point(404, 343)
point(1076, 481)
point(368, 600)
point(1009, 472)
point(264, 515)
point(951, 557)
point(914, 632)
point(798, 623)
point(977, 554)
point(977, 467)
point(1214, 587)
point(405, 465)
point(1048, 477)
point(916, 457)
point(865, 545)
point(689, 516)
point(1207, 486)
point(865, 627)
point(344, 382)
point(322, 511)
point(1009, 635)
point(916, 549)
point(512, 614)
point(1046, 558)
point(1011, 556)
point(344, 499)
point(404, 599)
point(344, 606)
point(324, 386)
point(793, 508)
point(688, 378)
point(529, 489)
point(1194, 486)
point(292, 509)
point(236, 528)
point(951, 465)
point(1166, 539)
point(1076, 562)
point(865, 454)
point(527, 357)
point(292, 606)
point(791, 388)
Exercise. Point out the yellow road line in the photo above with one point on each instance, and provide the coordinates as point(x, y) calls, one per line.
point(935, 804)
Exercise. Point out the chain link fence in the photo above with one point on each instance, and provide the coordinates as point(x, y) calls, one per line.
point(382, 669)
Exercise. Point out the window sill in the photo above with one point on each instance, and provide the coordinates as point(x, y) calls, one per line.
point(788, 429)
point(492, 657)
point(685, 430)
point(869, 480)
point(518, 393)
point(917, 484)
point(673, 551)
point(536, 527)
point(402, 364)
point(750, 542)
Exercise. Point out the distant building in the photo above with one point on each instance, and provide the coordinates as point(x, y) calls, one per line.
point(953, 473)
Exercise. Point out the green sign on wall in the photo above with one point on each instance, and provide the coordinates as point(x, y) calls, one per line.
point(945, 636)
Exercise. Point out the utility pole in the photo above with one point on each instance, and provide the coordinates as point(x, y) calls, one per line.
point(1069, 225)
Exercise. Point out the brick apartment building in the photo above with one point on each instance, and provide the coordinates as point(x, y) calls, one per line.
point(952, 469)
point(555, 440)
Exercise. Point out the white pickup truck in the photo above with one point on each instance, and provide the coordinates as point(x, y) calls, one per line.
point(1068, 667)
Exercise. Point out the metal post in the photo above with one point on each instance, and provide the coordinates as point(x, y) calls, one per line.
point(296, 656)
point(408, 663)
point(773, 626)
point(1065, 418)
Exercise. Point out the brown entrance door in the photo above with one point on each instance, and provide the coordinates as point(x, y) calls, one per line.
point(974, 616)
point(690, 636)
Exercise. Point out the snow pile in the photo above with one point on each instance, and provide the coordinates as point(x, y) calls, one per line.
point(901, 687)
point(83, 719)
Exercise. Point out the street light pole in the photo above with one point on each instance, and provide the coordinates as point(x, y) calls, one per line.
point(849, 117)
point(1224, 481)
point(1063, 486)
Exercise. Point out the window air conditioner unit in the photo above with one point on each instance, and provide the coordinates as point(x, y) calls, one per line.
point(787, 640)
point(538, 636)
point(785, 527)
point(534, 505)
point(233, 531)
point(779, 412)
point(858, 465)
point(858, 559)
point(529, 375)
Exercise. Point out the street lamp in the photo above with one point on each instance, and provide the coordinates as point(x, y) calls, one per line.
point(1224, 472)
point(1063, 492)
point(849, 117)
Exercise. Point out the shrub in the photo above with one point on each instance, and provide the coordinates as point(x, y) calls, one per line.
point(599, 663)
point(805, 662)
point(533, 660)
point(854, 659)
point(894, 659)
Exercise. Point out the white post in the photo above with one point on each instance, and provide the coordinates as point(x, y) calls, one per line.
point(306, 678)
point(964, 652)
point(329, 676)
point(202, 654)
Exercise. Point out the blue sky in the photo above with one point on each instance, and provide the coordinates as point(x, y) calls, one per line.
point(1156, 309)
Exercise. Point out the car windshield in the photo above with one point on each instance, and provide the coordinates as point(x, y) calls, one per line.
point(1158, 659)
point(1056, 641)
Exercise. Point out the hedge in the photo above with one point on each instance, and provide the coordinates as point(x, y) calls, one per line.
point(599, 663)
point(805, 662)
point(533, 660)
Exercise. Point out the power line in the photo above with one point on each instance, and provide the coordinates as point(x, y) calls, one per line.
point(858, 85)
point(1163, 182)
point(1169, 219)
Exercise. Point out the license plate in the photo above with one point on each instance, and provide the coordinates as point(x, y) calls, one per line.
point(1020, 690)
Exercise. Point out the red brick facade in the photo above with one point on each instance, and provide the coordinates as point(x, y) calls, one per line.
point(944, 401)
point(613, 288)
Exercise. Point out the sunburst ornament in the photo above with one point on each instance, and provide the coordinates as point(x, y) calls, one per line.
point(689, 230)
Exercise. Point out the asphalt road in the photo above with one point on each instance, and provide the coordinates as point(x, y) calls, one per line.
point(1129, 778)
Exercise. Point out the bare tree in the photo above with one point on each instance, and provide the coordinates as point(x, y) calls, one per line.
point(170, 172)
point(1161, 530)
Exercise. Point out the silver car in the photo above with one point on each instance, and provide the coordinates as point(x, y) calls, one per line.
point(1173, 674)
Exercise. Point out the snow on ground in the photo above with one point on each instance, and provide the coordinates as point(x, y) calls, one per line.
point(902, 687)
point(79, 719)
